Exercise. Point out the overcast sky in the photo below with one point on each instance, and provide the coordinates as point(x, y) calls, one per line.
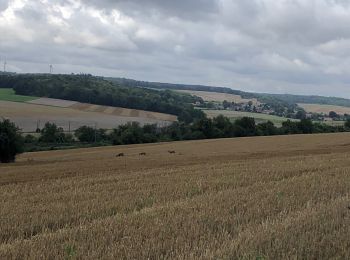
point(277, 46)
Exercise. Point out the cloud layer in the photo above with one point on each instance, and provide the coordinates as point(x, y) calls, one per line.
point(285, 46)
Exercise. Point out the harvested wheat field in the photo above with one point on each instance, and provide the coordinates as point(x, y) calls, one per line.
point(219, 97)
point(325, 109)
point(71, 115)
point(245, 198)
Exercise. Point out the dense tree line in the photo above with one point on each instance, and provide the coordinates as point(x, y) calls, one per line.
point(96, 90)
point(51, 136)
point(159, 85)
point(294, 99)
point(218, 127)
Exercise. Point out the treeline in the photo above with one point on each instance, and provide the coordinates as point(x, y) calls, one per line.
point(218, 127)
point(294, 99)
point(96, 90)
point(172, 86)
point(52, 137)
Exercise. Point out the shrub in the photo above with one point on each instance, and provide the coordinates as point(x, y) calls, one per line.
point(52, 134)
point(11, 142)
point(30, 139)
point(85, 134)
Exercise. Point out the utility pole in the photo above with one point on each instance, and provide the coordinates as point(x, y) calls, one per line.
point(5, 63)
point(51, 69)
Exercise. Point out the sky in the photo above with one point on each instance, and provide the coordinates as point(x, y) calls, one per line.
point(274, 46)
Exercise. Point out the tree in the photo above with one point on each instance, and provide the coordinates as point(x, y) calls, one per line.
point(131, 133)
point(347, 123)
point(226, 104)
point(30, 139)
point(90, 135)
point(245, 126)
point(333, 114)
point(206, 127)
point(301, 114)
point(52, 134)
point(11, 141)
point(267, 128)
point(306, 126)
point(289, 127)
point(224, 125)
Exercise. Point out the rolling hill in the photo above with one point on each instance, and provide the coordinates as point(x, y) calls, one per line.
point(29, 116)
point(261, 97)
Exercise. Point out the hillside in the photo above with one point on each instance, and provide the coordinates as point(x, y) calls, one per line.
point(325, 109)
point(96, 90)
point(336, 101)
point(249, 198)
point(29, 116)
point(286, 99)
point(259, 117)
point(158, 85)
point(219, 97)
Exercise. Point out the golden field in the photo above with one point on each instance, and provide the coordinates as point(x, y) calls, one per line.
point(219, 97)
point(325, 109)
point(283, 197)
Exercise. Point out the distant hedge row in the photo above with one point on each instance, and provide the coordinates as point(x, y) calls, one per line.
point(218, 127)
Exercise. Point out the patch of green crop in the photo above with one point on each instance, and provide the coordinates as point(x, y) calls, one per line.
point(8, 94)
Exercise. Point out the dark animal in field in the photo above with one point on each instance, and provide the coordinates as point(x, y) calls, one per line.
point(171, 152)
point(142, 154)
point(120, 155)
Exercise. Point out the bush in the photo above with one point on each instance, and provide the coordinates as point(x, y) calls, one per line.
point(267, 128)
point(11, 142)
point(52, 134)
point(306, 126)
point(245, 126)
point(30, 139)
point(85, 134)
point(333, 114)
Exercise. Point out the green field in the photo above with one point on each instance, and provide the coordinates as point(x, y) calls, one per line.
point(8, 94)
point(257, 116)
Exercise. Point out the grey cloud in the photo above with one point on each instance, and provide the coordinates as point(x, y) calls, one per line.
point(3, 5)
point(184, 9)
point(295, 46)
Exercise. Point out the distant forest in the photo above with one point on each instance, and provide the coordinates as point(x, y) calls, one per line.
point(274, 100)
point(97, 90)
